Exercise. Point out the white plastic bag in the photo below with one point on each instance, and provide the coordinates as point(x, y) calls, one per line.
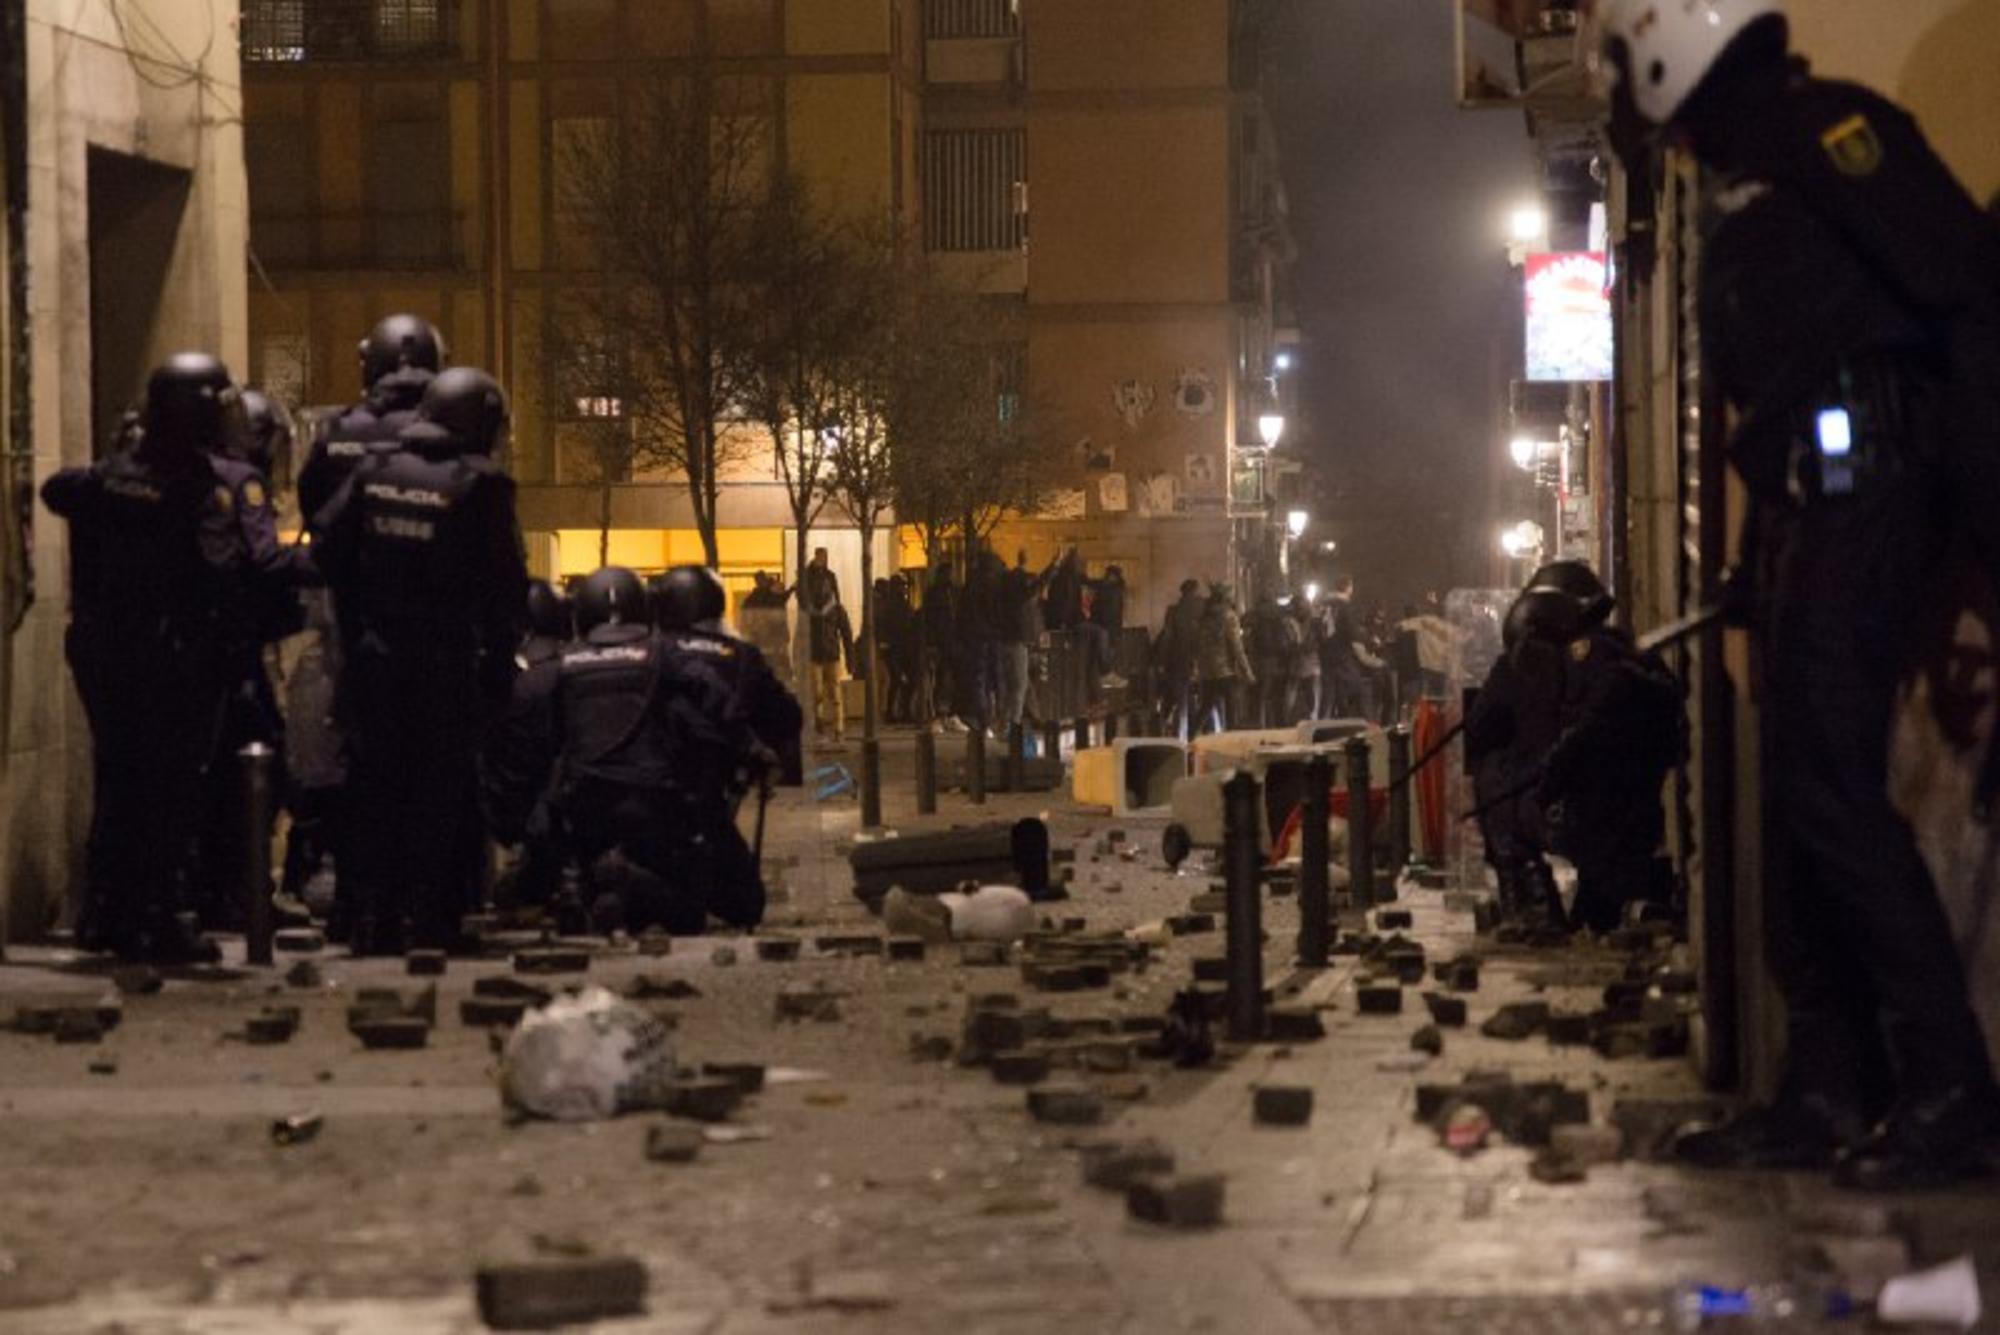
point(992, 913)
point(586, 1057)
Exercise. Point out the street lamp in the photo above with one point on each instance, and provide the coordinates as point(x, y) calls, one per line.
point(1283, 361)
point(1521, 540)
point(1525, 450)
point(1295, 523)
point(1312, 593)
point(1271, 429)
point(1527, 224)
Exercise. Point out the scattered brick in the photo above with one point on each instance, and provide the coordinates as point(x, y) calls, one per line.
point(749, 1076)
point(1283, 1105)
point(778, 949)
point(930, 1047)
point(1379, 999)
point(654, 987)
point(905, 949)
point(704, 1099)
point(1516, 1020)
point(1428, 1039)
point(722, 956)
point(673, 1142)
point(982, 955)
point(389, 1032)
point(137, 980)
point(794, 1004)
point(1557, 1169)
point(551, 959)
point(1293, 1024)
point(1020, 1068)
point(1587, 1144)
point(299, 940)
point(1211, 968)
point(491, 1012)
point(848, 943)
point(424, 963)
point(1394, 920)
point(271, 1027)
point(304, 975)
point(1177, 1202)
point(1065, 1105)
point(1446, 1012)
point(537, 1295)
point(1115, 1165)
point(1568, 1030)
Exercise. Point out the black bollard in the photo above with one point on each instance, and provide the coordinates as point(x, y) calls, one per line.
point(259, 763)
point(1110, 726)
point(1052, 732)
point(1017, 758)
point(1399, 800)
point(975, 765)
point(1360, 825)
point(1082, 729)
point(1243, 870)
point(871, 783)
point(926, 773)
point(1315, 880)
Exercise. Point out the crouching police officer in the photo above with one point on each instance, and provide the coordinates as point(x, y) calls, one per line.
point(642, 747)
point(424, 558)
point(1849, 311)
point(159, 607)
point(689, 604)
point(1509, 728)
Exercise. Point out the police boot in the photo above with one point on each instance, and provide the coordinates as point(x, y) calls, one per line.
point(1542, 901)
point(1926, 1143)
point(1799, 1130)
point(171, 938)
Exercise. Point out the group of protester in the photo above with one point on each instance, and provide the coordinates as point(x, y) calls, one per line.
point(420, 718)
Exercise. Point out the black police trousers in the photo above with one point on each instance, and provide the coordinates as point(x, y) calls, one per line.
point(411, 712)
point(669, 863)
point(155, 709)
point(1856, 934)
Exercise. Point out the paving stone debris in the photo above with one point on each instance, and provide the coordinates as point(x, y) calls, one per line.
point(138, 980)
point(1428, 1040)
point(381, 1031)
point(1516, 1021)
point(1554, 1168)
point(551, 959)
point(748, 1076)
point(491, 1012)
point(654, 943)
point(298, 941)
point(905, 949)
point(848, 943)
point(297, 1129)
point(1020, 1068)
point(1446, 1012)
point(541, 1295)
point(1394, 920)
point(424, 963)
point(703, 1098)
point(1116, 1165)
point(1379, 999)
point(103, 1066)
point(653, 987)
point(1587, 1143)
point(274, 1025)
point(930, 1047)
point(304, 975)
point(796, 1003)
point(1191, 924)
point(673, 1142)
point(1568, 1029)
point(778, 949)
point(1293, 1024)
point(1065, 1105)
point(1177, 1202)
point(722, 956)
point(503, 988)
point(1282, 1105)
point(982, 954)
point(75, 1025)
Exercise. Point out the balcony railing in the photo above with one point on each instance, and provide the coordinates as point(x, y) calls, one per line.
point(430, 241)
point(284, 32)
point(946, 20)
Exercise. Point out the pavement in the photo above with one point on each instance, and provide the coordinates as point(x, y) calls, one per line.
point(866, 1189)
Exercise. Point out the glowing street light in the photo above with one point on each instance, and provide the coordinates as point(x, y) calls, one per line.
point(1295, 523)
point(1271, 429)
point(1282, 362)
point(1312, 593)
point(1525, 451)
point(1521, 540)
point(1527, 224)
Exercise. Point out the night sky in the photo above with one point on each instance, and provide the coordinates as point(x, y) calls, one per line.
point(1410, 312)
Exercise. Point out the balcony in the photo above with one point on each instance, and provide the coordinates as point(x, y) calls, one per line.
point(972, 43)
point(373, 240)
point(291, 32)
point(1522, 53)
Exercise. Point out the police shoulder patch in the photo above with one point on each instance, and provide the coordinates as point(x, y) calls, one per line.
point(1580, 650)
point(253, 494)
point(1854, 146)
point(225, 500)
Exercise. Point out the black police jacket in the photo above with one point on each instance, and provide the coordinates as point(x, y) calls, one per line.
point(1623, 725)
point(156, 553)
point(422, 551)
point(771, 712)
point(372, 426)
point(274, 572)
point(1838, 236)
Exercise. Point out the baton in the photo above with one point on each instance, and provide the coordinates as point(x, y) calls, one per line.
point(1437, 749)
point(1689, 626)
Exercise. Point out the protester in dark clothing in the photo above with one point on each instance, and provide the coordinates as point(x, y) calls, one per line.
point(832, 645)
point(1273, 646)
point(1344, 666)
point(897, 643)
point(939, 618)
point(1221, 663)
point(1305, 660)
point(1176, 653)
point(763, 621)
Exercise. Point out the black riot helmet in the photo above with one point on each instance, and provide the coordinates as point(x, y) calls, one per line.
point(190, 401)
point(549, 613)
point(464, 407)
point(1544, 615)
point(400, 342)
point(686, 596)
point(614, 596)
point(267, 431)
point(1580, 582)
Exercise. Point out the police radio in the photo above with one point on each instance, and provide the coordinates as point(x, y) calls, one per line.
point(1833, 435)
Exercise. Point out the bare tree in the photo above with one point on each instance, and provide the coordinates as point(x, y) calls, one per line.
point(666, 200)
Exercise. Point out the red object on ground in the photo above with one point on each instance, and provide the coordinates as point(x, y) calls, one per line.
point(1378, 808)
point(1430, 785)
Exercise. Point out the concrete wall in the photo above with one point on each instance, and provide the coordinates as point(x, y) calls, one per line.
point(89, 90)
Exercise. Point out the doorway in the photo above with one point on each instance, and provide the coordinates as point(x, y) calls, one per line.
point(136, 207)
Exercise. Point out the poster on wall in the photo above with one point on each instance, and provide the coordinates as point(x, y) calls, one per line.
point(1111, 494)
point(1569, 317)
point(1064, 504)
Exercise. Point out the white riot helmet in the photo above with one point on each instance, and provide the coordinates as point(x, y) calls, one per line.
point(1670, 45)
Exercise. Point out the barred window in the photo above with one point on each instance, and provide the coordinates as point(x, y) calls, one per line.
point(403, 25)
point(975, 184)
point(971, 18)
point(274, 30)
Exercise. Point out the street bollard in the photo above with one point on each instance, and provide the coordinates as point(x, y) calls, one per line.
point(1315, 879)
point(260, 764)
point(1110, 726)
point(975, 764)
point(1360, 825)
point(1017, 759)
point(926, 773)
point(1399, 800)
point(1243, 870)
point(1082, 729)
point(871, 783)
point(1052, 732)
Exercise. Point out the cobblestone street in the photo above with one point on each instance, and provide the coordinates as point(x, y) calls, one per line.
point(869, 1189)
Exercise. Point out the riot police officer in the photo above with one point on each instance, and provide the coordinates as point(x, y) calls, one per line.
point(266, 438)
point(539, 877)
point(423, 555)
point(551, 624)
point(159, 607)
point(399, 358)
point(689, 603)
point(642, 747)
point(1849, 312)
point(1509, 728)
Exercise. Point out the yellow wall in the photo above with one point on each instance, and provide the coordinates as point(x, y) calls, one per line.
point(1130, 204)
point(837, 27)
point(1127, 44)
point(837, 133)
point(1939, 58)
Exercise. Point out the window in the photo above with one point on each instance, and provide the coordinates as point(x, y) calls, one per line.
point(971, 18)
point(975, 190)
point(274, 30)
point(409, 182)
point(407, 25)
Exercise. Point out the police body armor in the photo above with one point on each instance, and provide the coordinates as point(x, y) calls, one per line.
point(634, 717)
point(418, 550)
point(373, 426)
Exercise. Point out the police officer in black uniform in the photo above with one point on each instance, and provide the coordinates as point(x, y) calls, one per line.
point(551, 624)
point(399, 358)
point(539, 877)
point(689, 604)
point(1509, 728)
point(277, 574)
point(1850, 299)
point(424, 557)
point(642, 745)
point(160, 604)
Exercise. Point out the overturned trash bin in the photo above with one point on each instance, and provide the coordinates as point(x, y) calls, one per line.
point(1134, 776)
point(1011, 854)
